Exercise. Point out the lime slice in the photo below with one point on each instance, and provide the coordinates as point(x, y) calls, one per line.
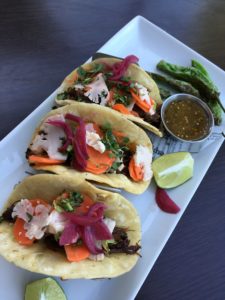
point(44, 289)
point(171, 170)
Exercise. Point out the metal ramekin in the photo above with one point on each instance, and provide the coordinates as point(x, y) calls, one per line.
point(177, 97)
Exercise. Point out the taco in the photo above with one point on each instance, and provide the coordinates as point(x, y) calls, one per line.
point(95, 142)
point(63, 226)
point(119, 84)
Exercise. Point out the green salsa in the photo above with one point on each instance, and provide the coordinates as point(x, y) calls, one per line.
point(187, 120)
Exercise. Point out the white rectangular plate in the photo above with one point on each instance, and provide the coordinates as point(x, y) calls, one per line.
point(150, 44)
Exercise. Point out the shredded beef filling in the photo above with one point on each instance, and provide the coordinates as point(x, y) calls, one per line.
point(126, 159)
point(28, 153)
point(52, 244)
point(152, 119)
point(122, 243)
point(7, 215)
point(77, 95)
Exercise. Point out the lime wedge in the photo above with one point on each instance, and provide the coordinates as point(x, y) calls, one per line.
point(44, 289)
point(171, 170)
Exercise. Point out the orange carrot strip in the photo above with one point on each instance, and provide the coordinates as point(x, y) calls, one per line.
point(85, 205)
point(40, 160)
point(20, 233)
point(96, 169)
point(76, 253)
point(136, 172)
point(121, 108)
point(71, 78)
point(118, 133)
point(97, 162)
point(98, 130)
point(142, 104)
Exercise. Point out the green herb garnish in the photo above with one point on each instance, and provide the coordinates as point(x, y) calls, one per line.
point(107, 75)
point(81, 72)
point(111, 155)
point(70, 153)
point(62, 96)
point(126, 79)
point(105, 245)
point(87, 80)
point(110, 142)
point(69, 204)
point(119, 86)
point(115, 166)
point(121, 99)
point(126, 140)
point(97, 68)
point(116, 149)
point(57, 236)
point(87, 76)
point(106, 126)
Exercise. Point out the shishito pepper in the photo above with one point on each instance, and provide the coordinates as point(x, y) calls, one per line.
point(200, 79)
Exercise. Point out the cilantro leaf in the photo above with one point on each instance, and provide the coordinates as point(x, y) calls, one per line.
point(115, 166)
point(126, 140)
point(62, 96)
point(106, 126)
point(81, 72)
point(97, 68)
point(87, 80)
point(57, 236)
point(70, 203)
point(110, 142)
point(121, 99)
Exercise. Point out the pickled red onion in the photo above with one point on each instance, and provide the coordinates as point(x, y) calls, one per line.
point(74, 118)
point(97, 209)
point(101, 231)
point(90, 226)
point(120, 68)
point(79, 142)
point(68, 132)
point(81, 220)
point(94, 214)
point(90, 241)
point(70, 234)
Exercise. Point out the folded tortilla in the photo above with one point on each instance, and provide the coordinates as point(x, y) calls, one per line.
point(136, 73)
point(102, 116)
point(38, 258)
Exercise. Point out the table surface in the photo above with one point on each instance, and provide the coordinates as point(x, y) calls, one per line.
point(41, 41)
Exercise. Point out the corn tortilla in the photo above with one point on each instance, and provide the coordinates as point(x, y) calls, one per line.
point(136, 73)
point(102, 115)
point(40, 259)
